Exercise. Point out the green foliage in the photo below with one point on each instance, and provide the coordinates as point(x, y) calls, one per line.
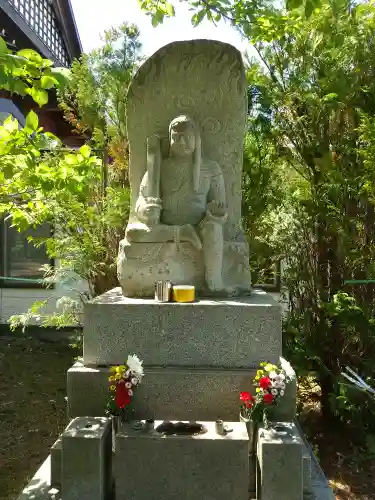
point(80, 194)
point(27, 73)
point(94, 102)
point(244, 15)
point(320, 95)
point(66, 190)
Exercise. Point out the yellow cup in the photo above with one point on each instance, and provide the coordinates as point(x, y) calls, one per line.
point(184, 293)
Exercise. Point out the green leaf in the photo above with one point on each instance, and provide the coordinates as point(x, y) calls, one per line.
point(62, 75)
point(310, 6)
point(293, 4)
point(19, 87)
point(85, 151)
point(3, 47)
point(40, 96)
point(169, 8)
point(32, 122)
point(31, 55)
point(330, 97)
point(198, 17)
point(157, 18)
point(48, 82)
point(10, 124)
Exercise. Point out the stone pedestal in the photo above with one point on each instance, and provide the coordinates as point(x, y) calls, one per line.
point(223, 333)
point(197, 357)
point(87, 459)
point(149, 466)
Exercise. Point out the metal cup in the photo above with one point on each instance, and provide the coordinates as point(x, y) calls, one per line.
point(163, 291)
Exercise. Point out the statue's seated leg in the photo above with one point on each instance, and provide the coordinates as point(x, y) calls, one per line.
point(162, 233)
point(211, 234)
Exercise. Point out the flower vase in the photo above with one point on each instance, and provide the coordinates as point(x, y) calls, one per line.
point(115, 427)
point(252, 432)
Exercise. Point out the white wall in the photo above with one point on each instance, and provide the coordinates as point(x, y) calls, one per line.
point(19, 300)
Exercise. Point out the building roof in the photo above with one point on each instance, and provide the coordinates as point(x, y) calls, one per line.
point(48, 26)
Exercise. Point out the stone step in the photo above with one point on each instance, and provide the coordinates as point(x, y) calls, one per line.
point(174, 393)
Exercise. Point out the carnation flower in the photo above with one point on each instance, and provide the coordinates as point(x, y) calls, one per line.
point(122, 397)
point(268, 398)
point(135, 365)
point(245, 396)
point(264, 383)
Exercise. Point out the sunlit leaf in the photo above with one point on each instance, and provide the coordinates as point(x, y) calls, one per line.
point(32, 122)
point(62, 75)
point(85, 151)
point(40, 96)
point(48, 82)
point(170, 9)
point(3, 46)
point(31, 55)
point(198, 17)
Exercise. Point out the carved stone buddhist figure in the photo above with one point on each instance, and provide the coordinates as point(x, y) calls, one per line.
point(186, 112)
point(183, 200)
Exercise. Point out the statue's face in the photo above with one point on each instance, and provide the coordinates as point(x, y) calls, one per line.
point(182, 139)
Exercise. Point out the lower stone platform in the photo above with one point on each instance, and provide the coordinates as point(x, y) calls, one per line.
point(174, 393)
point(315, 482)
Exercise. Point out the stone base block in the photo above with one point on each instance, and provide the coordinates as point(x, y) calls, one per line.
point(173, 393)
point(280, 472)
point(56, 452)
point(149, 466)
point(87, 459)
point(228, 333)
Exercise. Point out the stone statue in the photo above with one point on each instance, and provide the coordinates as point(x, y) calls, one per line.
point(183, 199)
point(186, 118)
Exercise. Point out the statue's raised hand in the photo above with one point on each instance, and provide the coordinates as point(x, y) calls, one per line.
point(216, 211)
point(150, 211)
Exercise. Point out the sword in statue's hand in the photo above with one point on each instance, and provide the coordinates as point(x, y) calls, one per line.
point(153, 166)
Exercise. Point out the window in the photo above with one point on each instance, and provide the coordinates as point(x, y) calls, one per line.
point(21, 260)
point(39, 15)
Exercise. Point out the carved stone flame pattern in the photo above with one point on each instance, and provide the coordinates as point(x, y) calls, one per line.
point(204, 79)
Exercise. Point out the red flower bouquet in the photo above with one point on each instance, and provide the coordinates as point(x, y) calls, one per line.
point(123, 380)
point(270, 383)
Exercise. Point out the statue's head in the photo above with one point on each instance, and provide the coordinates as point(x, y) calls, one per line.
point(182, 136)
point(184, 141)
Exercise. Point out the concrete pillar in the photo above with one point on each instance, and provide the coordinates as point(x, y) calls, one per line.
point(87, 459)
point(280, 464)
